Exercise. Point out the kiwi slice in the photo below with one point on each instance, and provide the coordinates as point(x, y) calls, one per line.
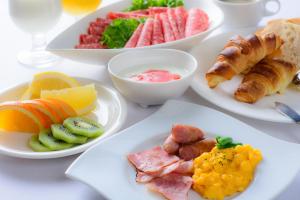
point(47, 139)
point(83, 126)
point(36, 145)
point(60, 132)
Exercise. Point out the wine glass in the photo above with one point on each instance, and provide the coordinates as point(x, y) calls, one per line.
point(36, 17)
point(78, 8)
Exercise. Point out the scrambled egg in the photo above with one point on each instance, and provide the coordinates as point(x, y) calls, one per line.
point(223, 172)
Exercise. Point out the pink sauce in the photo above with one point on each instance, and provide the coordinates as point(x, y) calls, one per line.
point(156, 76)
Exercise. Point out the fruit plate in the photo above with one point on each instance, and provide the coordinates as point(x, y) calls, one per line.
point(222, 96)
point(113, 176)
point(63, 45)
point(111, 112)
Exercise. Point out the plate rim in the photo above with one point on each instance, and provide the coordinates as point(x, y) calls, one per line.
point(122, 104)
point(72, 176)
point(195, 85)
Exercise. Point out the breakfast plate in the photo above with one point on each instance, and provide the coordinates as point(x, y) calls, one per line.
point(222, 95)
point(110, 111)
point(113, 176)
point(63, 45)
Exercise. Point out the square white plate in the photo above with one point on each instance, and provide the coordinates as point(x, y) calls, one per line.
point(105, 166)
point(63, 45)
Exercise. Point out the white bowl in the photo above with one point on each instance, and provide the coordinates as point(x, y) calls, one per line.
point(63, 44)
point(145, 93)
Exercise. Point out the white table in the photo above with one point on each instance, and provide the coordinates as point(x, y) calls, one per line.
point(44, 179)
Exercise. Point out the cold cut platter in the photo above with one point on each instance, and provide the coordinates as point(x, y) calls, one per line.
point(119, 27)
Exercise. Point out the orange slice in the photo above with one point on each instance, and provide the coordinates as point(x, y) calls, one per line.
point(18, 117)
point(66, 107)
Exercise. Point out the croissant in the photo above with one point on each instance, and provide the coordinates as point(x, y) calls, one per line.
point(240, 54)
point(269, 76)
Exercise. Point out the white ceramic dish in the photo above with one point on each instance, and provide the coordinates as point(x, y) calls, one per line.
point(222, 96)
point(63, 44)
point(111, 112)
point(113, 176)
point(145, 93)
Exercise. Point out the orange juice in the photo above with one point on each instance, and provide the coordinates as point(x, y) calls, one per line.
point(78, 7)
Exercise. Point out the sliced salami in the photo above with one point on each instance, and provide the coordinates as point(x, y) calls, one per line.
point(158, 35)
point(157, 10)
point(197, 22)
point(88, 39)
point(126, 15)
point(132, 42)
point(101, 22)
point(152, 161)
point(173, 23)
point(146, 34)
point(90, 46)
point(172, 186)
point(167, 30)
point(96, 30)
point(181, 15)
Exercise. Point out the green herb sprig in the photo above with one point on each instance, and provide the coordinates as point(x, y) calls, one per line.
point(225, 142)
point(144, 4)
point(119, 32)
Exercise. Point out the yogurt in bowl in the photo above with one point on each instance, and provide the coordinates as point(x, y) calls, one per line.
point(152, 76)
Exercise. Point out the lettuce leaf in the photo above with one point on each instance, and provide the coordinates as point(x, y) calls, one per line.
point(119, 32)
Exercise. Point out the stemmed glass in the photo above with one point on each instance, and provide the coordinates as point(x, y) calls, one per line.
point(36, 17)
point(77, 8)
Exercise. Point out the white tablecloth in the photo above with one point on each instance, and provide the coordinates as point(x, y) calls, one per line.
point(44, 179)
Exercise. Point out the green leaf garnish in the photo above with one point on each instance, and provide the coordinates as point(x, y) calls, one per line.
point(225, 142)
point(119, 32)
point(144, 4)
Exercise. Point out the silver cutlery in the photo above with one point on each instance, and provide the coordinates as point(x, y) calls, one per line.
point(287, 111)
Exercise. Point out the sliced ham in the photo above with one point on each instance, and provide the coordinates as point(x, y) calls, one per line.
point(186, 134)
point(89, 39)
point(157, 36)
point(167, 30)
point(181, 15)
point(146, 34)
point(152, 161)
point(172, 186)
point(180, 167)
point(173, 23)
point(185, 167)
point(157, 10)
point(126, 15)
point(90, 46)
point(197, 22)
point(132, 42)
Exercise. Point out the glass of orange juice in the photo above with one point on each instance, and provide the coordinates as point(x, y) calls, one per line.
point(80, 7)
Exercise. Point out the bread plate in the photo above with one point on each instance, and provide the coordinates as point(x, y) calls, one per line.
point(63, 45)
point(113, 176)
point(111, 111)
point(222, 95)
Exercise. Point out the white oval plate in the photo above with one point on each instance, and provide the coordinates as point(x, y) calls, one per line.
point(113, 176)
point(222, 96)
point(111, 112)
point(63, 44)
